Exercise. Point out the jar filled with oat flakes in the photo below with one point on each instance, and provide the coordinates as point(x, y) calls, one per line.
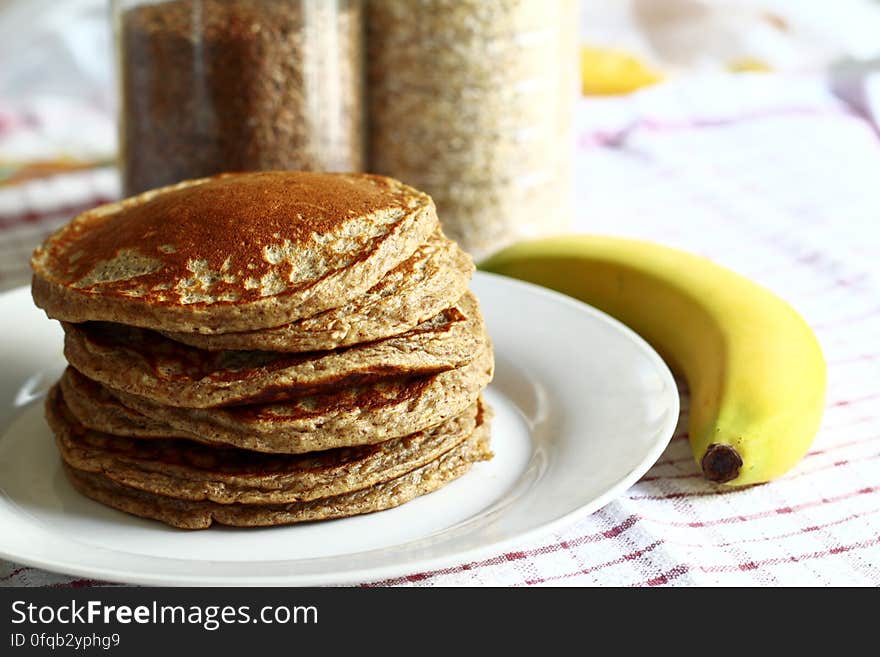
point(472, 101)
point(232, 85)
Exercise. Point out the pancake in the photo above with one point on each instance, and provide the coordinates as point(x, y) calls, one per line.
point(95, 408)
point(183, 469)
point(234, 252)
point(359, 415)
point(432, 279)
point(188, 514)
point(148, 364)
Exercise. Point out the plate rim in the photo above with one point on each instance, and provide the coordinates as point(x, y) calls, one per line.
point(377, 574)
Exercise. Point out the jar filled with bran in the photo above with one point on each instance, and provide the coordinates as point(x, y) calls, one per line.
point(472, 101)
point(233, 85)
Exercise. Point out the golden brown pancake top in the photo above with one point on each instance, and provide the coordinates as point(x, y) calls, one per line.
point(231, 238)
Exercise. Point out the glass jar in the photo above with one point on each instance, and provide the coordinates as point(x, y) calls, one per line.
point(231, 85)
point(472, 101)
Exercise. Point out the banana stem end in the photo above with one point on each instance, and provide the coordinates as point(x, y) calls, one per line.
point(721, 463)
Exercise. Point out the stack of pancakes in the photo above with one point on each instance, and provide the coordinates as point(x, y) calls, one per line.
point(263, 349)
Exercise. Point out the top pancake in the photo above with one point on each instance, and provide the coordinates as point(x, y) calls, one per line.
point(235, 252)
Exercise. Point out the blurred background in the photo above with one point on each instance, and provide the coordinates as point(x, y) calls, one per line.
point(717, 95)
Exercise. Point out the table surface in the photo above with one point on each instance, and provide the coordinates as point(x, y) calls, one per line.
point(775, 178)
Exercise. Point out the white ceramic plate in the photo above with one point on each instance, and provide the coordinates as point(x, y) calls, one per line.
point(583, 408)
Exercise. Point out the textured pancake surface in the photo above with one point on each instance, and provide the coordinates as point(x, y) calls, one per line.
point(345, 417)
point(186, 470)
point(94, 407)
point(190, 514)
point(432, 279)
point(235, 252)
point(145, 363)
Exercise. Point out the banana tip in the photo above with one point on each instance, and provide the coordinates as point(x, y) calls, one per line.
point(721, 463)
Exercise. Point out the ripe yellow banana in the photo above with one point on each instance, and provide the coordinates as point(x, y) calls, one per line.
point(755, 369)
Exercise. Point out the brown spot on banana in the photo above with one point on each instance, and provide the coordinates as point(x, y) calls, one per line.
point(721, 463)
